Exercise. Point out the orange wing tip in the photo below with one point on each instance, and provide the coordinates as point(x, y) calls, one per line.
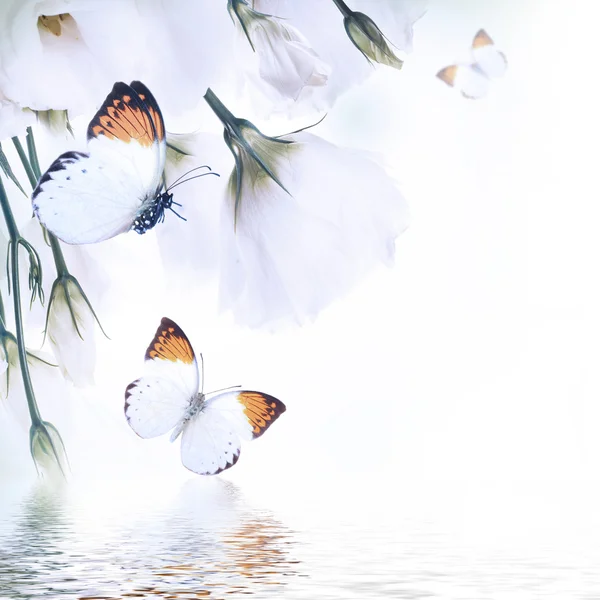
point(170, 343)
point(123, 116)
point(152, 106)
point(261, 410)
point(448, 74)
point(482, 39)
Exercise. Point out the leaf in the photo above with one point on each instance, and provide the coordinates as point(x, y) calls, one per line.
point(8, 171)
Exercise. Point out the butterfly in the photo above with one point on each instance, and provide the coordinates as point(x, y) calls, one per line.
point(170, 397)
point(473, 80)
point(87, 197)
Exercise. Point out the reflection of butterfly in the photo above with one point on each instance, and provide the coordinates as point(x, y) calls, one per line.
point(115, 186)
point(171, 396)
point(473, 80)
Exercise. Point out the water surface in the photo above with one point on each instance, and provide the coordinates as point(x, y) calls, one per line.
point(209, 540)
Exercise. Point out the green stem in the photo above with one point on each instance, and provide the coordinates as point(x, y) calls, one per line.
point(57, 253)
point(59, 257)
point(344, 8)
point(15, 239)
point(30, 174)
point(33, 158)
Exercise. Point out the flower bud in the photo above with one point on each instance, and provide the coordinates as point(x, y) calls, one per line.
point(70, 329)
point(48, 450)
point(367, 37)
point(286, 62)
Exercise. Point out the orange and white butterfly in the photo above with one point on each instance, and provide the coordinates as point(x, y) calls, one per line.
point(87, 197)
point(170, 397)
point(473, 80)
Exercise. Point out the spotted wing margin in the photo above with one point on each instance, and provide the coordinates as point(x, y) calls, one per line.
point(212, 440)
point(84, 198)
point(156, 404)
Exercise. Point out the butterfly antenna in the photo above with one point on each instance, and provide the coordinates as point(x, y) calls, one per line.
point(188, 172)
point(201, 367)
point(231, 387)
point(174, 185)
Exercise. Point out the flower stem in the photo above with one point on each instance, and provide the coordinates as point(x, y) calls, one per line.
point(344, 8)
point(28, 170)
point(32, 167)
point(224, 114)
point(15, 239)
point(59, 257)
point(33, 158)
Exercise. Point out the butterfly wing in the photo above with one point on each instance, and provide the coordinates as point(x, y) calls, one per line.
point(212, 440)
point(157, 402)
point(84, 199)
point(89, 197)
point(488, 60)
point(467, 79)
point(473, 80)
point(157, 119)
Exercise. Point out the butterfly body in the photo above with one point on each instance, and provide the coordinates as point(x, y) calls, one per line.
point(197, 403)
point(473, 80)
point(116, 186)
point(170, 398)
point(153, 214)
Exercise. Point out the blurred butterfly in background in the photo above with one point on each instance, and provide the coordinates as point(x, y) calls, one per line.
point(87, 197)
point(473, 80)
point(171, 397)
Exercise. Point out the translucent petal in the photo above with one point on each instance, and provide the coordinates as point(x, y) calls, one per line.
point(292, 255)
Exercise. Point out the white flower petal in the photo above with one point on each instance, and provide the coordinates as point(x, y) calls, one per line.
point(395, 18)
point(322, 24)
point(292, 255)
point(190, 248)
point(14, 120)
point(73, 346)
point(280, 64)
point(46, 380)
point(45, 62)
point(72, 58)
point(90, 272)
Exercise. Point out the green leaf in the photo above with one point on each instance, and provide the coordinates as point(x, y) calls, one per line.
point(8, 171)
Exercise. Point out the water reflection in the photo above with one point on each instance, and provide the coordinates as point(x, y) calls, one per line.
point(260, 551)
point(206, 542)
